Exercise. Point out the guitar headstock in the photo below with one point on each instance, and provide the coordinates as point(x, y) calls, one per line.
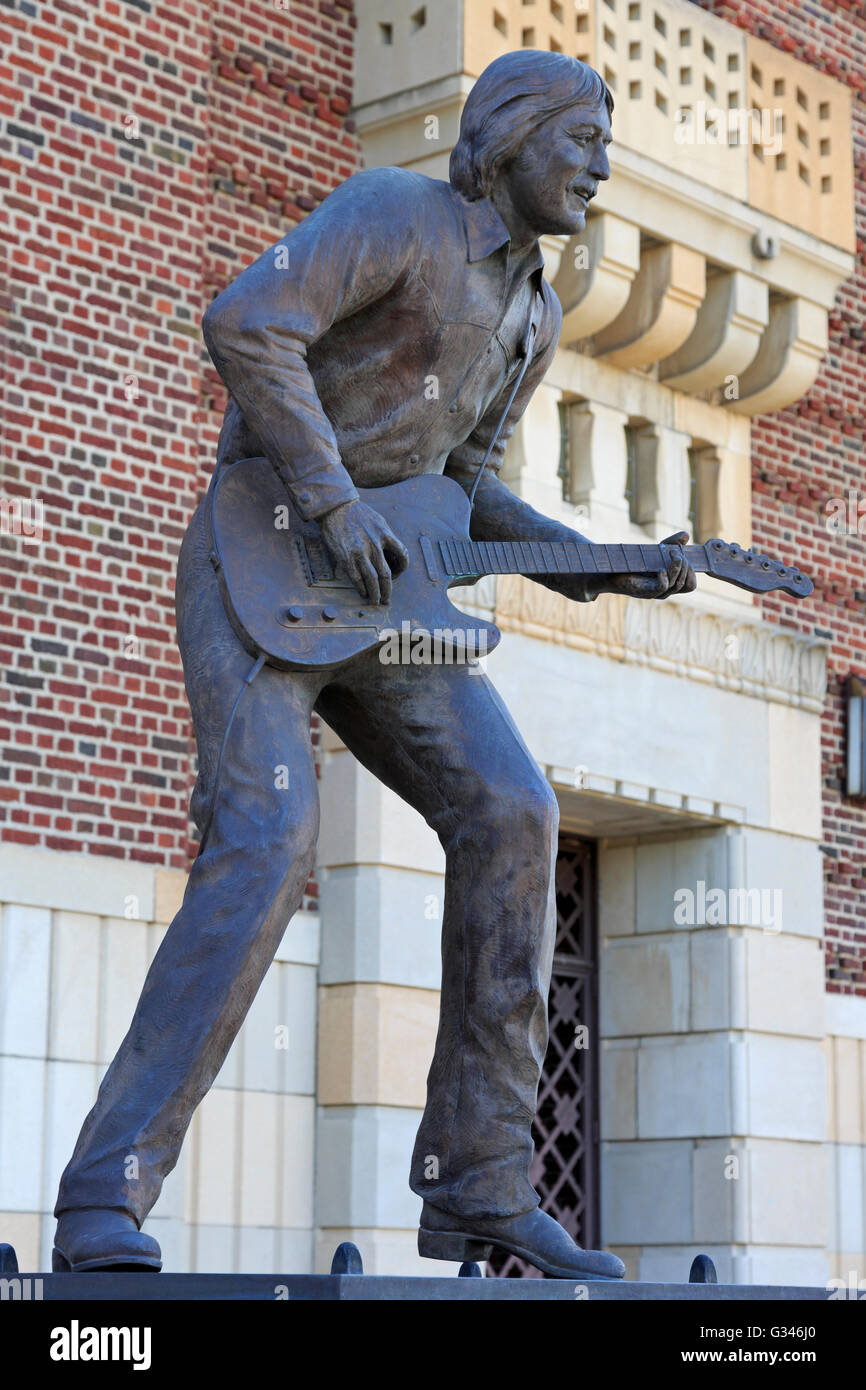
point(750, 570)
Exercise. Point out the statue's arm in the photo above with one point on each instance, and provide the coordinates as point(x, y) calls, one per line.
point(345, 255)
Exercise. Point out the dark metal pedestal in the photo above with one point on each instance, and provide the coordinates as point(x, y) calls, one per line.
point(348, 1283)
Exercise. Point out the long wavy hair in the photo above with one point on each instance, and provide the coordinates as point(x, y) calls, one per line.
point(516, 93)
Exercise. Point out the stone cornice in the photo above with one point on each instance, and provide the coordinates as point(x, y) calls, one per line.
point(739, 654)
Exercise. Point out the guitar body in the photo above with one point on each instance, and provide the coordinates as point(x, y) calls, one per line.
point(280, 590)
point(286, 602)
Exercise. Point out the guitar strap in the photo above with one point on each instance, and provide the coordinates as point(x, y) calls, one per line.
point(527, 356)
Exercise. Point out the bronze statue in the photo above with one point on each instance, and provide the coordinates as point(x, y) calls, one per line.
point(380, 341)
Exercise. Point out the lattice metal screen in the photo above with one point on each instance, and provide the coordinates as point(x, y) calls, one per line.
point(565, 1168)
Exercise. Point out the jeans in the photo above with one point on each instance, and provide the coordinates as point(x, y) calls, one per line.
point(442, 739)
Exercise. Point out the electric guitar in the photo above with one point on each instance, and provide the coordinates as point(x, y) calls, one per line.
point(286, 602)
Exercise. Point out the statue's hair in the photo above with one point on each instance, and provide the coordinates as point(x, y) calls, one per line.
point(516, 93)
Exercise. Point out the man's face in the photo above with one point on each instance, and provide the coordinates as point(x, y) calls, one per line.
point(557, 172)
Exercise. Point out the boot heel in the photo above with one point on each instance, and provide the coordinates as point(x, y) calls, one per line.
point(59, 1263)
point(450, 1245)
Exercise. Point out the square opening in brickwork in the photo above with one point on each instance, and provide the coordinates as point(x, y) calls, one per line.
point(659, 25)
point(855, 738)
point(609, 37)
point(418, 20)
point(802, 99)
point(779, 87)
point(500, 23)
point(528, 38)
point(662, 102)
point(709, 51)
point(660, 63)
point(826, 184)
point(555, 45)
point(634, 90)
point(582, 24)
point(824, 148)
point(634, 12)
point(804, 173)
point(557, 11)
point(685, 77)
point(685, 38)
point(710, 88)
point(757, 76)
point(386, 33)
point(824, 111)
point(733, 62)
point(803, 135)
point(758, 152)
point(733, 100)
point(634, 51)
point(610, 78)
point(781, 163)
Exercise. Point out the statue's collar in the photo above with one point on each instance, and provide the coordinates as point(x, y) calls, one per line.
point(486, 232)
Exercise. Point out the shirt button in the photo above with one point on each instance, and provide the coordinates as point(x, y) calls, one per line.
point(452, 409)
point(305, 497)
point(414, 458)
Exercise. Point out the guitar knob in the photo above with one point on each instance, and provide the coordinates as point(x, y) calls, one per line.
point(329, 614)
point(294, 614)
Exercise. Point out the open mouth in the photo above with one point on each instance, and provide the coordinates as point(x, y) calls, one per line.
point(581, 196)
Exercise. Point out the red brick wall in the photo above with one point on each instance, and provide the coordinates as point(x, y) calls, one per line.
point(114, 245)
point(804, 457)
point(109, 408)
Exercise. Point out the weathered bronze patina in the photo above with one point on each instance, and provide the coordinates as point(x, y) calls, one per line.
point(378, 341)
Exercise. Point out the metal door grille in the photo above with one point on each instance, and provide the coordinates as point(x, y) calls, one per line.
point(565, 1168)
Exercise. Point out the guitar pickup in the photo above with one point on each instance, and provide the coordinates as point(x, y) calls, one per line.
point(318, 567)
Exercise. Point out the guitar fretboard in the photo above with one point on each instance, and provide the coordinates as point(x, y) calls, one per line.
point(474, 558)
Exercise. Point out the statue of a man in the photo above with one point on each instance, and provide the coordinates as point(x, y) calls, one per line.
point(328, 345)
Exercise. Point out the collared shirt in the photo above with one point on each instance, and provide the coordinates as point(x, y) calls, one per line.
point(379, 339)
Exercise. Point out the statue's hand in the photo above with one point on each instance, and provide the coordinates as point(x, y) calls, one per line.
point(678, 578)
point(362, 543)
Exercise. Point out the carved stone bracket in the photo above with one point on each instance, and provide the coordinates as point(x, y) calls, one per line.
point(726, 335)
point(661, 310)
point(788, 359)
point(596, 274)
point(661, 480)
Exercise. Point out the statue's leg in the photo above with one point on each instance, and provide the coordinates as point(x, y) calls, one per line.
point(242, 890)
point(441, 737)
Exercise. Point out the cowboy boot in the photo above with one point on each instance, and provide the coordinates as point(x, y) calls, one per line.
point(532, 1235)
point(93, 1238)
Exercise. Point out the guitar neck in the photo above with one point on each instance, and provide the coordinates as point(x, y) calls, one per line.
point(475, 558)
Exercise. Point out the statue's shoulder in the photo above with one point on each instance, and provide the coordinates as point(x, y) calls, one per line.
point(390, 190)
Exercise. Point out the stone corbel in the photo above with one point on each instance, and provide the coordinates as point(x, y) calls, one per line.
point(598, 462)
point(595, 275)
point(529, 466)
point(661, 311)
point(723, 494)
point(726, 335)
point(788, 359)
point(662, 480)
